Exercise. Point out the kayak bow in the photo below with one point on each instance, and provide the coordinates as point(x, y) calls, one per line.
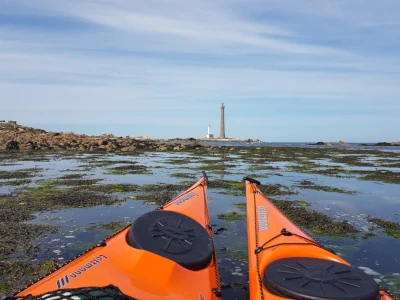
point(285, 262)
point(165, 254)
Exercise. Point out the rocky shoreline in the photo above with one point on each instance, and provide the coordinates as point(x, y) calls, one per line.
point(17, 137)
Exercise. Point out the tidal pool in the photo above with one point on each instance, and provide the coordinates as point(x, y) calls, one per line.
point(64, 230)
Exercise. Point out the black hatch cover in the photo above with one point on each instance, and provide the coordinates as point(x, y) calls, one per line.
point(174, 236)
point(318, 279)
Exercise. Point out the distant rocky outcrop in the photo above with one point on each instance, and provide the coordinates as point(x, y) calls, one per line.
point(341, 143)
point(322, 144)
point(387, 144)
point(18, 137)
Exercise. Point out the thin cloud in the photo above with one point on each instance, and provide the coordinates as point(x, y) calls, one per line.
point(103, 59)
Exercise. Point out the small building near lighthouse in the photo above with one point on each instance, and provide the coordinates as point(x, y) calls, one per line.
point(209, 134)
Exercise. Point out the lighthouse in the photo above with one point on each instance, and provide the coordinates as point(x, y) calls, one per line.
point(222, 125)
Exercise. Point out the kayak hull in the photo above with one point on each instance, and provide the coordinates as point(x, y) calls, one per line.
point(273, 237)
point(136, 272)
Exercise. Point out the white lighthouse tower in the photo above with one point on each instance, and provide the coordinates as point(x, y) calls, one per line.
point(209, 134)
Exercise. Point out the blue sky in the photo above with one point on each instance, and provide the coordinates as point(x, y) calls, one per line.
point(286, 70)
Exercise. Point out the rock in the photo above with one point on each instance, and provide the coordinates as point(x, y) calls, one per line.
point(143, 137)
point(396, 143)
point(341, 143)
point(322, 144)
point(12, 145)
point(102, 142)
point(132, 148)
point(177, 148)
point(163, 148)
point(383, 144)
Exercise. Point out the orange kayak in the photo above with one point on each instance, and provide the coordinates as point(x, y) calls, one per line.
point(285, 262)
point(165, 254)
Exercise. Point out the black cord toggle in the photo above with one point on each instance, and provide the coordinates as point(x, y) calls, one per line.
point(285, 232)
point(217, 292)
point(258, 250)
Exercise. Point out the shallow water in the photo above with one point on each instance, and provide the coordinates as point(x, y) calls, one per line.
point(78, 232)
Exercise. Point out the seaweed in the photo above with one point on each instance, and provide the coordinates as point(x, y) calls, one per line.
point(231, 216)
point(307, 184)
point(72, 176)
point(276, 190)
point(391, 228)
point(16, 174)
point(112, 226)
point(313, 220)
point(383, 176)
point(16, 182)
point(129, 169)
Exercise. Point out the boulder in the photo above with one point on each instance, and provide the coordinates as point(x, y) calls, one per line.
point(396, 143)
point(341, 143)
point(12, 145)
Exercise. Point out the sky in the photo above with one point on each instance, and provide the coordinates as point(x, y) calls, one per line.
point(287, 71)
